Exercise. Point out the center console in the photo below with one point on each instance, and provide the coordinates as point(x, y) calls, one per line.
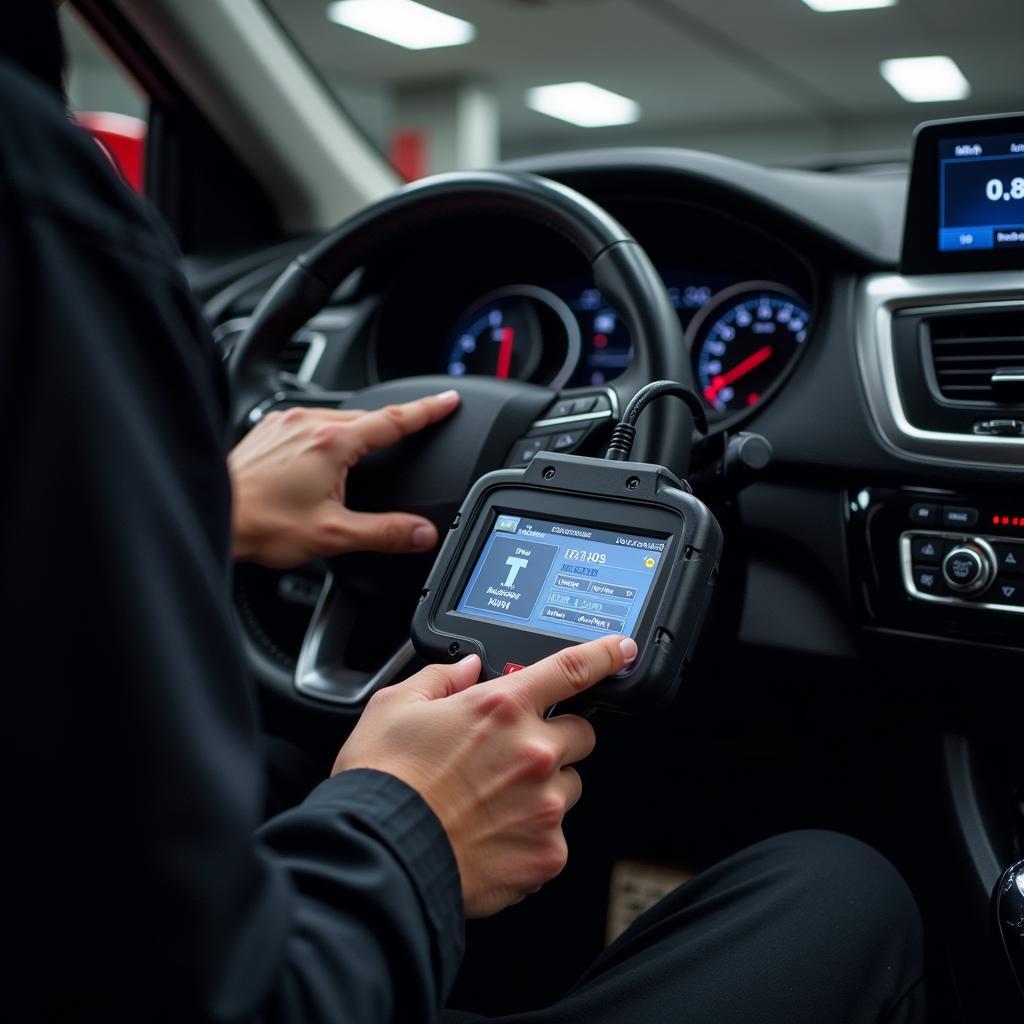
point(940, 563)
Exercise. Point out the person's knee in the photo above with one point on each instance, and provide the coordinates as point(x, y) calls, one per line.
point(848, 889)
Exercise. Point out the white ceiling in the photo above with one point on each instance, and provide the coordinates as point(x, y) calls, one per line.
point(695, 66)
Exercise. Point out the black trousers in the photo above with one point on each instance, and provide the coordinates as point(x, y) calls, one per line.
point(805, 928)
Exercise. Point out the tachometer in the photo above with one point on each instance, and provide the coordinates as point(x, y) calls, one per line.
point(744, 340)
point(520, 332)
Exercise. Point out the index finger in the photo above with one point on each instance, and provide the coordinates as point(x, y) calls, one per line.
point(573, 670)
point(383, 427)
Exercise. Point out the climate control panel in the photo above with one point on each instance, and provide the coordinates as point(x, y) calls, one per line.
point(963, 568)
point(937, 562)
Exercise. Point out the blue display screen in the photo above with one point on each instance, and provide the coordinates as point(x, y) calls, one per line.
point(562, 578)
point(981, 193)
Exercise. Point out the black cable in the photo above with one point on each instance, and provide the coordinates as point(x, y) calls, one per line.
point(620, 447)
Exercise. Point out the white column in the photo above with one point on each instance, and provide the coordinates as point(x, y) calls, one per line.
point(459, 120)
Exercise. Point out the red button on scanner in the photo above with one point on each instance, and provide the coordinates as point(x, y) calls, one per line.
point(510, 667)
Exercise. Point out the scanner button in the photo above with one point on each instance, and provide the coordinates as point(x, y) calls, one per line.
point(510, 667)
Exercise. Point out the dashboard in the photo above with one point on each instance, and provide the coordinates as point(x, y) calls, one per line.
point(742, 335)
point(880, 392)
point(747, 306)
point(875, 570)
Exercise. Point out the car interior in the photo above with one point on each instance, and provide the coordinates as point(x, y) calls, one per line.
point(366, 219)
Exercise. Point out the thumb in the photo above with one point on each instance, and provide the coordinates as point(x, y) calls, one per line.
point(437, 681)
point(394, 532)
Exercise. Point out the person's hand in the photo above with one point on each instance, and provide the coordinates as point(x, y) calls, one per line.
point(288, 480)
point(495, 772)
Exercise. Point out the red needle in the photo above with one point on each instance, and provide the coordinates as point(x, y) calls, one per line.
point(505, 352)
point(740, 369)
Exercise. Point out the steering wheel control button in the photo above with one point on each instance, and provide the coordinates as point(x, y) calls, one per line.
point(967, 568)
point(925, 550)
point(525, 449)
point(928, 580)
point(1009, 559)
point(528, 448)
point(924, 514)
point(956, 515)
point(582, 405)
point(561, 409)
point(567, 440)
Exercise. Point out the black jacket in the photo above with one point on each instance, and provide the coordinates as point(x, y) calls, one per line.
point(139, 883)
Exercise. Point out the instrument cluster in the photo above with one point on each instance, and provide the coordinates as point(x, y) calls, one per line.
point(743, 337)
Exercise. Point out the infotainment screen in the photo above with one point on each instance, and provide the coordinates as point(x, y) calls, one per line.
point(965, 207)
point(981, 192)
point(563, 578)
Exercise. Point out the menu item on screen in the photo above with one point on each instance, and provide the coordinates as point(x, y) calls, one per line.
point(981, 192)
point(569, 580)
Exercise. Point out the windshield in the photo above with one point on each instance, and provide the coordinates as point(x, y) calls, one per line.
point(465, 83)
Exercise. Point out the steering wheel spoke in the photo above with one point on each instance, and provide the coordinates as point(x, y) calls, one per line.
point(321, 670)
point(278, 401)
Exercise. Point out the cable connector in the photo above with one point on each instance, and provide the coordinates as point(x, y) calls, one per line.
point(621, 444)
point(620, 447)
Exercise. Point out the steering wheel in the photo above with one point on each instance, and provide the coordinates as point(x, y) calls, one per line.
point(430, 473)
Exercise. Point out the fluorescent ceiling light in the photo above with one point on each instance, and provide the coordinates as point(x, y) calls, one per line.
point(926, 79)
point(831, 6)
point(402, 22)
point(583, 103)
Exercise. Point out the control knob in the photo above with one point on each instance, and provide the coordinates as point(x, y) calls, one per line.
point(969, 566)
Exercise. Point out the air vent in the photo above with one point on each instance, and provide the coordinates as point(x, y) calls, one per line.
point(298, 357)
point(293, 355)
point(974, 356)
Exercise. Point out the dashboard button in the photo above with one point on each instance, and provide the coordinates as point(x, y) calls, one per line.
point(528, 448)
point(1009, 559)
point(928, 580)
point(1007, 590)
point(922, 513)
point(956, 515)
point(927, 550)
point(524, 450)
point(566, 440)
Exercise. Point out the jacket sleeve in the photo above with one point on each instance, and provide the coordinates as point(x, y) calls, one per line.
point(145, 886)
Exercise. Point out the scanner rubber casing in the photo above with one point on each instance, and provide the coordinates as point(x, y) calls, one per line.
point(635, 497)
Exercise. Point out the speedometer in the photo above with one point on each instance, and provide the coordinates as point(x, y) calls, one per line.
point(520, 332)
point(743, 342)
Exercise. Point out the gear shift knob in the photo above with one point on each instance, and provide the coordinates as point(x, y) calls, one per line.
point(1008, 908)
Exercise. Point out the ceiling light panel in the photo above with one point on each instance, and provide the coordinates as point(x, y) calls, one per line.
point(402, 22)
point(583, 104)
point(926, 79)
point(833, 6)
